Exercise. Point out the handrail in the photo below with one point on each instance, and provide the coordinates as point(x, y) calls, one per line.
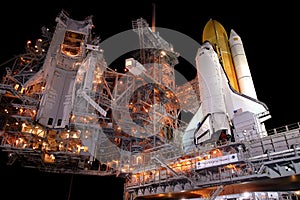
point(285, 128)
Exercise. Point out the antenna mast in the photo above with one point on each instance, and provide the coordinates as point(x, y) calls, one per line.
point(153, 17)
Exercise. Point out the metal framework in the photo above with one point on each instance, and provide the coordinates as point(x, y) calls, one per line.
point(128, 124)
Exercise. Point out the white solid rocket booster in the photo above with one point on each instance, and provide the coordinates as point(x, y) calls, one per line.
point(241, 65)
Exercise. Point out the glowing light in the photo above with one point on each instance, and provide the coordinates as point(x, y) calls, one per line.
point(16, 87)
point(246, 194)
point(163, 53)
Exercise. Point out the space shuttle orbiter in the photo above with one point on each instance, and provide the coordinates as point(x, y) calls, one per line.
point(226, 87)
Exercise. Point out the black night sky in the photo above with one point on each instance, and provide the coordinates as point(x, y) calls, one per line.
point(270, 38)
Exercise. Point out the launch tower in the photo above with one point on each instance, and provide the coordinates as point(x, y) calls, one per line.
point(64, 110)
